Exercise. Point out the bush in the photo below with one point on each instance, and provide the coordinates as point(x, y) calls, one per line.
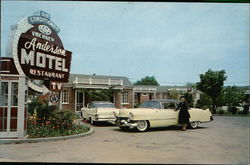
point(137, 105)
point(64, 117)
point(233, 110)
point(246, 109)
point(44, 112)
point(49, 129)
point(220, 111)
point(51, 122)
point(33, 105)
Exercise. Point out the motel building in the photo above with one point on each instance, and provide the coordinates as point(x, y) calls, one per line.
point(74, 93)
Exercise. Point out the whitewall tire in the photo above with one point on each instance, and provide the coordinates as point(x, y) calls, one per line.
point(194, 124)
point(142, 125)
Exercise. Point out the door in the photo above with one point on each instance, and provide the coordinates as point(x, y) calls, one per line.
point(80, 97)
point(168, 115)
point(8, 109)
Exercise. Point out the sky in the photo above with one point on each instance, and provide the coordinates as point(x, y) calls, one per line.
point(173, 41)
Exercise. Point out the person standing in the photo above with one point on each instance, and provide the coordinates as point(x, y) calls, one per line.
point(183, 114)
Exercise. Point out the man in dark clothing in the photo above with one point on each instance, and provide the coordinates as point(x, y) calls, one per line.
point(183, 114)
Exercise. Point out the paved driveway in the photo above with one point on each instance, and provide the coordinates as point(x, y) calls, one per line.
point(223, 141)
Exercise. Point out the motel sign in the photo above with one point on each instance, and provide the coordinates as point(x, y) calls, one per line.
point(38, 54)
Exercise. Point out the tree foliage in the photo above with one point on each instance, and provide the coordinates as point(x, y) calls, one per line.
point(148, 80)
point(101, 95)
point(212, 83)
point(232, 96)
point(189, 99)
point(174, 94)
point(204, 101)
point(191, 86)
point(33, 105)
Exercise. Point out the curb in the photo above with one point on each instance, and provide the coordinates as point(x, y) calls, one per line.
point(34, 140)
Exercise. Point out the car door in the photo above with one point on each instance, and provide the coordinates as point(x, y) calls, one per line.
point(168, 114)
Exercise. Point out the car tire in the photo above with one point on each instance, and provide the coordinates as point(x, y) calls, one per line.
point(194, 124)
point(91, 121)
point(142, 125)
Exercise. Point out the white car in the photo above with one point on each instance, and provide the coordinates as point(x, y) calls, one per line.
point(158, 113)
point(98, 111)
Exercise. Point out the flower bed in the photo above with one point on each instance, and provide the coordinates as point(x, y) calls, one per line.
point(58, 123)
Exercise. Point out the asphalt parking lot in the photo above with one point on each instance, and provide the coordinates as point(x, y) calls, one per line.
point(222, 141)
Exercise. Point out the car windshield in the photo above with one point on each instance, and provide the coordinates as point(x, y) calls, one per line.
point(169, 105)
point(151, 104)
point(103, 105)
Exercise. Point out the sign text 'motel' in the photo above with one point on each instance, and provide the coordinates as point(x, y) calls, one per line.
point(38, 51)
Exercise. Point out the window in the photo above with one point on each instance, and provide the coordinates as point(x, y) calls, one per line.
point(169, 106)
point(14, 93)
point(151, 104)
point(125, 98)
point(65, 97)
point(4, 94)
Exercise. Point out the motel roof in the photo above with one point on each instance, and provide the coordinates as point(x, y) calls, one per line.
point(72, 77)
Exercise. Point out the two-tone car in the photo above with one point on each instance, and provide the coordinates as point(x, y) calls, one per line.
point(158, 113)
point(98, 111)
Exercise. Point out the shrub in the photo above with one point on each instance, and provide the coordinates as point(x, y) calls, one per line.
point(233, 110)
point(63, 117)
point(137, 105)
point(246, 109)
point(36, 130)
point(33, 105)
point(49, 122)
point(44, 112)
point(59, 123)
point(221, 111)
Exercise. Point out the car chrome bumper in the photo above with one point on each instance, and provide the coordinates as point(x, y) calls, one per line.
point(106, 119)
point(124, 123)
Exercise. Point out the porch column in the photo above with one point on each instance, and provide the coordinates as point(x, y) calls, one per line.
point(75, 98)
point(21, 107)
point(60, 100)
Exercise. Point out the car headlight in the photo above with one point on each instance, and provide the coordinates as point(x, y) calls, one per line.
point(131, 114)
point(114, 113)
point(96, 116)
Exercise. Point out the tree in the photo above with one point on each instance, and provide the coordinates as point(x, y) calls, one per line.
point(212, 83)
point(204, 101)
point(191, 86)
point(174, 94)
point(189, 99)
point(232, 96)
point(148, 80)
point(101, 95)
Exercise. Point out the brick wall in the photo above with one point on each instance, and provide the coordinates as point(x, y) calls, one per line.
point(71, 104)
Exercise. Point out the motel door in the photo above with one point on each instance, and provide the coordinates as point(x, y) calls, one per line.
point(80, 99)
point(12, 115)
